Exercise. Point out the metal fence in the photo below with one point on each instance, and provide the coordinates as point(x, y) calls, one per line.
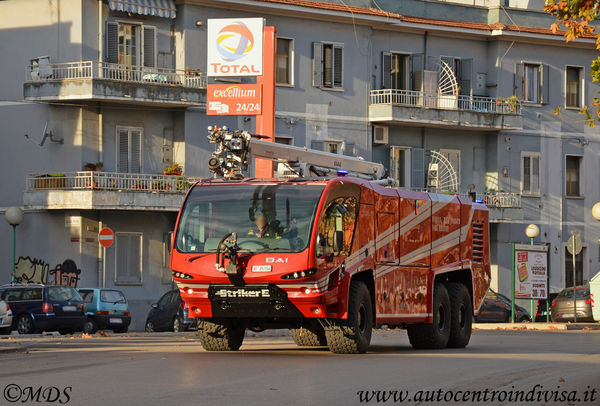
point(414, 98)
point(93, 180)
point(45, 72)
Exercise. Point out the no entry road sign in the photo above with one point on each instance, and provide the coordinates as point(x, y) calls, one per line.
point(106, 237)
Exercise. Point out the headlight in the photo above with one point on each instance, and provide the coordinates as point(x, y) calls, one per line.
point(300, 274)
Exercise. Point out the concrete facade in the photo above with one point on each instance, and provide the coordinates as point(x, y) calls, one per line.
point(61, 224)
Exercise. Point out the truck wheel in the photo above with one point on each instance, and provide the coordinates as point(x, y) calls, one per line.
point(90, 326)
point(220, 335)
point(353, 336)
point(461, 318)
point(311, 335)
point(435, 335)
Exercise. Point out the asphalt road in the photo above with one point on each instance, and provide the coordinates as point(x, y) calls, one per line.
point(166, 368)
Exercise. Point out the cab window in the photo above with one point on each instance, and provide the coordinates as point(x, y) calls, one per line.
point(336, 227)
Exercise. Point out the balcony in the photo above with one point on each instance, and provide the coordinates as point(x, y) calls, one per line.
point(414, 108)
point(101, 81)
point(90, 190)
point(503, 206)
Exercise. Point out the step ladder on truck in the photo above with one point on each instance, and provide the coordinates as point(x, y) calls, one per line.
point(326, 249)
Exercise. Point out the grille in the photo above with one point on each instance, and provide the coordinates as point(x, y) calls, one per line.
point(477, 242)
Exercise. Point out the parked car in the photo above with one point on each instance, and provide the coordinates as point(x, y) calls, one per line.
point(496, 308)
point(6, 318)
point(38, 308)
point(169, 314)
point(540, 315)
point(105, 309)
point(562, 306)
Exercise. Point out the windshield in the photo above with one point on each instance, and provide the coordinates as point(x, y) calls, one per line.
point(265, 217)
point(112, 296)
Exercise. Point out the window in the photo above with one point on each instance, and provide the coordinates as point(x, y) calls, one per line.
point(453, 156)
point(328, 65)
point(284, 140)
point(573, 176)
point(578, 268)
point(574, 88)
point(400, 165)
point(87, 295)
point(164, 300)
point(128, 258)
point(395, 71)
point(32, 294)
point(338, 221)
point(284, 70)
point(112, 296)
point(130, 44)
point(530, 169)
point(333, 147)
point(63, 294)
point(532, 82)
point(463, 72)
point(129, 149)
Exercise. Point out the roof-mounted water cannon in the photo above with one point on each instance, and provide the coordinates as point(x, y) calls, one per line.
point(235, 149)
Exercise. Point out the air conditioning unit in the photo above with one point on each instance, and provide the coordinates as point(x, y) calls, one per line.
point(381, 135)
point(432, 176)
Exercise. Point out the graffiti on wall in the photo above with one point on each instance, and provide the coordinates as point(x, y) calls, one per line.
point(33, 270)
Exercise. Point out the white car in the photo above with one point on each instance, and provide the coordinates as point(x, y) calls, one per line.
point(6, 318)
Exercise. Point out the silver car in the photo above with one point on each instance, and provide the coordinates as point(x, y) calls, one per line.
point(6, 318)
point(563, 305)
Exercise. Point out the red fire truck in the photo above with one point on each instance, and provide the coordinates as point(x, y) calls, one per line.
point(329, 257)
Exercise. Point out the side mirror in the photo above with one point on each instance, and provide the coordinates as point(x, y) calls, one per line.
point(338, 241)
point(321, 240)
point(155, 305)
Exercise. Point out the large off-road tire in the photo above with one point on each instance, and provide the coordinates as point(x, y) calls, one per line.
point(437, 334)
point(461, 318)
point(353, 336)
point(311, 335)
point(221, 335)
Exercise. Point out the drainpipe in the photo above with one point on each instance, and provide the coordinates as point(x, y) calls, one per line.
point(100, 21)
point(100, 257)
point(425, 36)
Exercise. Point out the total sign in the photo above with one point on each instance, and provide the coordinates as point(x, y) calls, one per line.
point(235, 47)
point(234, 99)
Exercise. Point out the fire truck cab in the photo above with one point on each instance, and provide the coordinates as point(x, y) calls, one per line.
point(330, 259)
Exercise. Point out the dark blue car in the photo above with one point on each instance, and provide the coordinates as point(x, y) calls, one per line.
point(38, 308)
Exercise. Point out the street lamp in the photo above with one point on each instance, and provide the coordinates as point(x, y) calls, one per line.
point(14, 217)
point(533, 231)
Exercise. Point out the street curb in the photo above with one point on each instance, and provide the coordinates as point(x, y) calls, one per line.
point(520, 326)
point(12, 349)
point(586, 326)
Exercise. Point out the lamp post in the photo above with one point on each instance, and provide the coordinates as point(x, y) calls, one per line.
point(14, 217)
point(531, 231)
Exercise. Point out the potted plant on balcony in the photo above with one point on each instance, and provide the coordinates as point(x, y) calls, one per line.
point(89, 166)
point(187, 70)
point(174, 169)
point(99, 166)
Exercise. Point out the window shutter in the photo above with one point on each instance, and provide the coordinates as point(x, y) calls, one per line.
point(135, 150)
point(417, 71)
point(317, 64)
point(112, 38)
point(417, 170)
point(123, 160)
point(349, 149)
point(466, 76)
point(149, 48)
point(519, 77)
point(327, 66)
point(338, 60)
point(318, 145)
point(544, 84)
point(386, 70)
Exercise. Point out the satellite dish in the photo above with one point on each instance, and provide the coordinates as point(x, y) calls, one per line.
point(47, 134)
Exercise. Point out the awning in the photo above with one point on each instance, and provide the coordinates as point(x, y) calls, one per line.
point(156, 8)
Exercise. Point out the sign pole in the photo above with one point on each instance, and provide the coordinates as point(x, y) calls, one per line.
point(512, 305)
point(103, 267)
point(574, 283)
point(265, 122)
point(548, 283)
point(531, 301)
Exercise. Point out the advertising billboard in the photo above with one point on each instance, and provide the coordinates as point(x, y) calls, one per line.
point(531, 271)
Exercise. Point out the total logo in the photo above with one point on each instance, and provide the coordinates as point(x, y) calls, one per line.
point(235, 47)
point(234, 41)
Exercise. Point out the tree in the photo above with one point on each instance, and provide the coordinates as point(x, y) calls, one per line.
point(575, 16)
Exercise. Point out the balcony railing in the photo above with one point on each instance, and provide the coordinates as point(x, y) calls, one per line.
point(500, 200)
point(412, 98)
point(110, 181)
point(47, 72)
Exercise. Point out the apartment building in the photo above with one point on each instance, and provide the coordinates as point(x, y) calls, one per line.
point(470, 88)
